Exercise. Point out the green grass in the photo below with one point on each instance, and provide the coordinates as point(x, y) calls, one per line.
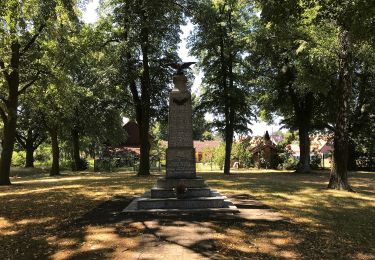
point(324, 223)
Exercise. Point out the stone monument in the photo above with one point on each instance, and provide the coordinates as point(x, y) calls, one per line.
point(180, 151)
point(180, 189)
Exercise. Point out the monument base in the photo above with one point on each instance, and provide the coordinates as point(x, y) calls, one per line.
point(197, 198)
point(181, 162)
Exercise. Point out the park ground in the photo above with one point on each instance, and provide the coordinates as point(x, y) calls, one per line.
point(76, 216)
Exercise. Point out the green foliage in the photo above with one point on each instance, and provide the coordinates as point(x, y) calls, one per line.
point(201, 128)
point(83, 165)
point(219, 42)
point(106, 165)
point(289, 162)
point(43, 153)
point(316, 161)
point(242, 153)
point(18, 159)
point(219, 156)
point(209, 154)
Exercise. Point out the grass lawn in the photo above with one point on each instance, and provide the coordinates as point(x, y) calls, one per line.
point(37, 216)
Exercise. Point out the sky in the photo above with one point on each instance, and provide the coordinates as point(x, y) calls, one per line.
point(259, 128)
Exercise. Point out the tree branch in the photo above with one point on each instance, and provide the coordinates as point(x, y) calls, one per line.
point(33, 39)
point(25, 87)
point(37, 144)
point(3, 115)
point(2, 67)
point(3, 98)
point(21, 140)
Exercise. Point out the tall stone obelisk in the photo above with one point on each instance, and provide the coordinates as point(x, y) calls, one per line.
point(180, 151)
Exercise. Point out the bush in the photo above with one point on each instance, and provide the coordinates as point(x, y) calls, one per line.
point(18, 159)
point(290, 163)
point(106, 165)
point(82, 165)
point(241, 153)
point(43, 153)
point(275, 161)
point(262, 163)
point(315, 161)
point(219, 156)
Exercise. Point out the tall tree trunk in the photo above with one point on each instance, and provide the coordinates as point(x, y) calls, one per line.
point(55, 169)
point(76, 157)
point(339, 173)
point(229, 133)
point(10, 120)
point(352, 164)
point(304, 148)
point(229, 129)
point(29, 147)
point(29, 157)
point(303, 109)
point(144, 127)
point(8, 145)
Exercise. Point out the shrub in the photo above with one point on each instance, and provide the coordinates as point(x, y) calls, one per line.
point(43, 153)
point(275, 161)
point(315, 161)
point(241, 153)
point(290, 163)
point(82, 165)
point(106, 165)
point(219, 156)
point(18, 159)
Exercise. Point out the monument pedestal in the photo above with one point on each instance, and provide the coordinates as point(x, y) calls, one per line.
point(180, 166)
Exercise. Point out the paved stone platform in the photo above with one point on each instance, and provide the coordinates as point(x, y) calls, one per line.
point(108, 233)
point(187, 239)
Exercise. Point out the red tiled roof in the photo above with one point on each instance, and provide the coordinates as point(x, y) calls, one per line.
point(201, 145)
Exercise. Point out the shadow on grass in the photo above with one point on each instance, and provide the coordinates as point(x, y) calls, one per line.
point(40, 219)
point(215, 236)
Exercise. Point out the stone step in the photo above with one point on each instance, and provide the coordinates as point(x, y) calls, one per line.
point(166, 183)
point(173, 203)
point(169, 193)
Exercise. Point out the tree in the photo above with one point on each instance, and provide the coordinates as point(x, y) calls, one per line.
point(201, 128)
point(218, 41)
point(31, 132)
point(97, 88)
point(23, 25)
point(147, 37)
point(295, 70)
point(355, 24)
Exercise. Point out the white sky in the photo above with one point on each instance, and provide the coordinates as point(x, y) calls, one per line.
point(90, 15)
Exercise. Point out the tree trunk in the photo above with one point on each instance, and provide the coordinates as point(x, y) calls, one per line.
point(7, 152)
point(339, 173)
point(76, 157)
point(29, 148)
point(229, 129)
point(304, 147)
point(144, 127)
point(303, 109)
point(29, 157)
point(352, 164)
point(55, 169)
point(10, 121)
point(228, 148)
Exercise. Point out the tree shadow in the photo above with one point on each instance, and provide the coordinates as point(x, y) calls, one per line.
point(31, 226)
